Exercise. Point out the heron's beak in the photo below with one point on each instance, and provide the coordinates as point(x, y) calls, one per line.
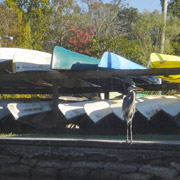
point(139, 89)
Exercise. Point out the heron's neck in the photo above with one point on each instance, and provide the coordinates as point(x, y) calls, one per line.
point(133, 94)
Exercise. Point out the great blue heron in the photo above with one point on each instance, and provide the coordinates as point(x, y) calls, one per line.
point(128, 108)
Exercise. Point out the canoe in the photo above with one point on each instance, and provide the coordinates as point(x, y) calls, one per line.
point(72, 110)
point(165, 61)
point(117, 109)
point(31, 60)
point(97, 110)
point(25, 59)
point(172, 108)
point(113, 61)
point(150, 105)
point(7, 54)
point(3, 106)
point(64, 59)
point(25, 109)
point(3, 109)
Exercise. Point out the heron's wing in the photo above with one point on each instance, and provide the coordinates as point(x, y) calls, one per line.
point(128, 107)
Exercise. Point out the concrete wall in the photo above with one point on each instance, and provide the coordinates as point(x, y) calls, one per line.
point(88, 159)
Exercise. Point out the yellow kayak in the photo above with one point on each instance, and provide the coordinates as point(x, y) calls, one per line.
point(165, 61)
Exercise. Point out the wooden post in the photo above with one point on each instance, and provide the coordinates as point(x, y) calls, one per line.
point(55, 103)
point(106, 95)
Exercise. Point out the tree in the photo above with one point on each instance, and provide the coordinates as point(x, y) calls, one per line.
point(66, 14)
point(146, 32)
point(174, 7)
point(79, 40)
point(102, 18)
point(11, 24)
point(128, 16)
point(35, 16)
point(118, 45)
point(100, 24)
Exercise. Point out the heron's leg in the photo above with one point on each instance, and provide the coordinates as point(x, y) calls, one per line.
point(131, 131)
point(127, 132)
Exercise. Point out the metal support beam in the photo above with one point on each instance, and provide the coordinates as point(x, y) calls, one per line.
point(106, 95)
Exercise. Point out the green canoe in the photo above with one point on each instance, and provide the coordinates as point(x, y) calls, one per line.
point(63, 59)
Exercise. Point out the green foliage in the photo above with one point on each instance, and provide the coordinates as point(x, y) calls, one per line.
point(128, 16)
point(11, 24)
point(174, 7)
point(64, 14)
point(25, 96)
point(117, 44)
point(146, 32)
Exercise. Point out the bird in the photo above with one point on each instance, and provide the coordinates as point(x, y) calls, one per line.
point(128, 108)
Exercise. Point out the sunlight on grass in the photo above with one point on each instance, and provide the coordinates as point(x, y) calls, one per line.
point(168, 137)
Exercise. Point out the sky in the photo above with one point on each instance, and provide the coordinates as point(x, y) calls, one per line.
point(141, 5)
point(151, 5)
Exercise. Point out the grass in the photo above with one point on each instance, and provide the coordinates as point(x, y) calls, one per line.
point(165, 137)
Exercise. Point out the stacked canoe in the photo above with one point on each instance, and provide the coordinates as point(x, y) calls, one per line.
point(86, 113)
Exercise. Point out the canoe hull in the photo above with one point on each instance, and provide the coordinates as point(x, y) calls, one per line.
point(19, 110)
point(31, 61)
point(113, 61)
point(97, 110)
point(64, 59)
point(165, 61)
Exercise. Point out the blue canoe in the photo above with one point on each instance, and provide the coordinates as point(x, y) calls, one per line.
point(113, 61)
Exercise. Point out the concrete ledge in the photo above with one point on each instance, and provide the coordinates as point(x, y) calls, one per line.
point(89, 158)
point(92, 143)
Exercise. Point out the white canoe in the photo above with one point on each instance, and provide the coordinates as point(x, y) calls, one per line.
point(117, 109)
point(97, 110)
point(3, 106)
point(172, 108)
point(148, 106)
point(8, 53)
point(26, 59)
point(72, 110)
point(153, 104)
point(31, 60)
point(3, 109)
point(25, 109)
